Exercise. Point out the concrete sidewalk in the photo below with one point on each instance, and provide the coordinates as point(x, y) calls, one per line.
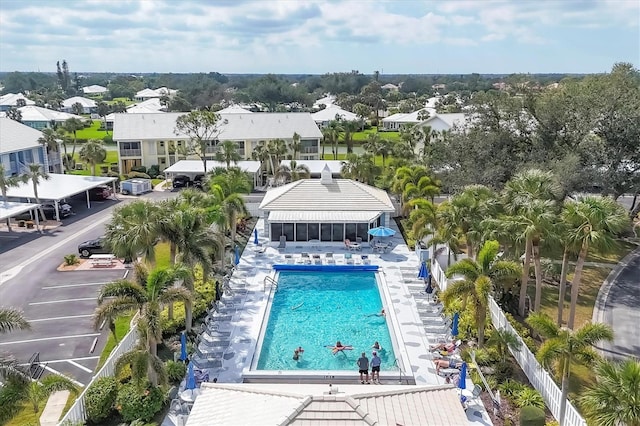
point(54, 408)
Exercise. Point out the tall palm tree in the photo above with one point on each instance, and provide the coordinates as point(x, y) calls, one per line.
point(531, 198)
point(7, 182)
point(293, 172)
point(93, 152)
point(36, 174)
point(121, 297)
point(614, 399)
point(71, 125)
point(295, 146)
point(422, 218)
point(480, 276)
point(144, 367)
point(593, 222)
point(38, 392)
point(134, 230)
point(372, 144)
point(228, 153)
point(415, 182)
point(277, 150)
point(12, 375)
point(503, 340)
point(50, 139)
point(331, 135)
point(564, 347)
point(226, 189)
point(361, 168)
point(348, 129)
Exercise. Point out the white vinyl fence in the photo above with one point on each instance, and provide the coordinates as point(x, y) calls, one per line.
point(77, 414)
point(538, 376)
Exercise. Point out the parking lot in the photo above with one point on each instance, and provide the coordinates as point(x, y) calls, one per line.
point(60, 313)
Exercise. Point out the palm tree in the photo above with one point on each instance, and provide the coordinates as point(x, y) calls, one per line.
point(593, 222)
point(614, 398)
point(293, 172)
point(348, 129)
point(564, 347)
point(71, 125)
point(134, 230)
point(422, 217)
point(228, 153)
point(361, 168)
point(372, 144)
point(276, 150)
point(39, 392)
point(415, 182)
point(479, 278)
point(36, 174)
point(12, 375)
point(144, 367)
point(503, 340)
point(331, 135)
point(295, 146)
point(93, 152)
point(121, 297)
point(50, 139)
point(7, 182)
point(530, 197)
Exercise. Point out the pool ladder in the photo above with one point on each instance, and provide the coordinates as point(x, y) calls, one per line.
point(396, 363)
point(270, 283)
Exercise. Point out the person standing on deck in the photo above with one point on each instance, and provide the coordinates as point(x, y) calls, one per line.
point(363, 368)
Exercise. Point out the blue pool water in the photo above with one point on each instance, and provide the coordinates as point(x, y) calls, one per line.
point(313, 310)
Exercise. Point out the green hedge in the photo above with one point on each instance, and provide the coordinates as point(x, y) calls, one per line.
point(532, 416)
point(134, 403)
point(175, 371)
point(100, 399)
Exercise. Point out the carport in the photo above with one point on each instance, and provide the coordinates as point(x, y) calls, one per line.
point(8, 209)
point(60, 187)
point(192, 168)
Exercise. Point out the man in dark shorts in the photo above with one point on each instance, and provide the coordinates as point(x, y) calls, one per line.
point(375, 367)
point(363, 368)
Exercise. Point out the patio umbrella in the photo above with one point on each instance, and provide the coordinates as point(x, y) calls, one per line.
point(191, 378)
point(382, 231)
point(255, 237)
point(429, 288)
point(236, 257)
point(454, 326)
point(462, 383)
point(183, 346)
point(423, 272)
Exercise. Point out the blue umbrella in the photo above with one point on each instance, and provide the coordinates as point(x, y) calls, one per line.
point(454, 326)
point(423, 272)
point(236, 258)
point(183, 346)
point(462, 383)
point(382, 231)
point(191, 378)
point(255, 237)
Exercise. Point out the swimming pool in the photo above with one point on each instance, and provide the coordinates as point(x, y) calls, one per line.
point(314, 310)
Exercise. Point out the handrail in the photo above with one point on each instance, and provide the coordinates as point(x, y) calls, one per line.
point(268, 279)
point(396, 362)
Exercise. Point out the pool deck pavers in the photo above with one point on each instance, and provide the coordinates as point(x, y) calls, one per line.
point(398, 272)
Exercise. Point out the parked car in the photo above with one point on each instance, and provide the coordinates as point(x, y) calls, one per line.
point(181, 181)
point(97, 246)
point(100, 193)
point(49, 210)
point(198, 181)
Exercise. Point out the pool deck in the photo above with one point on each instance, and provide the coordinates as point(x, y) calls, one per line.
point(398, 270)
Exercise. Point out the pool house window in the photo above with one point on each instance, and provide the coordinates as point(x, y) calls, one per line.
point(329, 232)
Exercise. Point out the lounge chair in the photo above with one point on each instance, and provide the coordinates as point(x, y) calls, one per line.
point(283, 242)
point(365, 259)
point(306, 259)
point(348, 259)
point(288, 259)
point(330, 259)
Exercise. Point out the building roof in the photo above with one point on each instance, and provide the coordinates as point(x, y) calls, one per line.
point(305, 404)
point(389, 86)
point(155, 93)
point(93, 89)
point(288, 216)
point(16, 136)
point(238, 127)
point(196, 166)
point(36, 113)
point(450, 119)
point(59, 187)
point(11, 99)
point(85, 102)
point(411, 117)
point(10, 208)
point(327, 100)
point(337, 195)
point(330, 113)
point(234, 109)
point(151, 105)
point(315, 166)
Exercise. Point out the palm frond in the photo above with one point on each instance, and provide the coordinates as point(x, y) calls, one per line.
point(12, 319)
point(543, 324)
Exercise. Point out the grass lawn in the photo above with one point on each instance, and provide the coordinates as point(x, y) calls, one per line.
point(122, 328)
point(26, 416)
point(126, 101)
point(92, 132)
point(112, 157)
point(163, 255)
point(362, 136)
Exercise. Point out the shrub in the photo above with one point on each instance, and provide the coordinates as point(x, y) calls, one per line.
point(529, 397)
point(503, 370)
point(134, 403)
point(141, 169)
point(523, 332)
point(552, 423)
point(71, 259)
point(100, 398)
point(140, 175)
point(153, 171)
point(203, 295)
point(532, 416)
point(175, 371)
point(510, 388)
point(107, 139)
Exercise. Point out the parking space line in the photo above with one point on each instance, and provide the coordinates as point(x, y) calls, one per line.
point(51, 370)
point(43, 339)
point(71, 285)
point(53, 361)
point(60, 318)
point(62, 301)
point(81, 367)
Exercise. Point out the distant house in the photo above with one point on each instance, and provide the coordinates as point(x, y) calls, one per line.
point(94, 90)
point(439, 86)
point(445, 122)
point(330, 113)
point(234, 109)
point(41, 118)
point(390, 87)
point(150, 106)
point(19, 147)
point(396, 121)
point(145, 94)
point(11, 100)
point(148, 139)
point(88, 105)
point(326, 101)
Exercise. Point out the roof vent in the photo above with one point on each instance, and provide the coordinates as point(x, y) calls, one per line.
point(325, 176)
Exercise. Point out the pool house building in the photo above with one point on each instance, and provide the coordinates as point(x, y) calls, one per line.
point(325, 209)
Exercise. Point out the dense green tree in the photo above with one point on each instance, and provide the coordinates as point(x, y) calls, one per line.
point(93, 153)
point(203, 129)
point(227, 152)
point(36, 174)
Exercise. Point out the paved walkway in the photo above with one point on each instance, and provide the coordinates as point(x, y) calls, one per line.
point(617, 305)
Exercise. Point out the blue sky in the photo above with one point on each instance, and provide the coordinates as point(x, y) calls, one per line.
point(308, 36)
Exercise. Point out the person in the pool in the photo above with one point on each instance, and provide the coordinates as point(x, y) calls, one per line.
point(340, 347)
point(296, 355)
point(376, 346)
